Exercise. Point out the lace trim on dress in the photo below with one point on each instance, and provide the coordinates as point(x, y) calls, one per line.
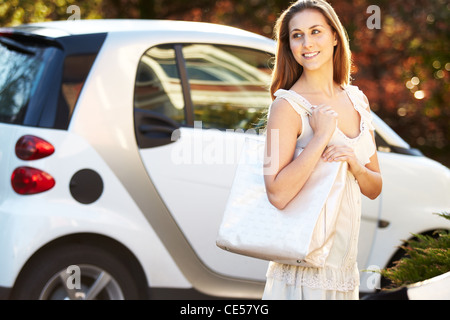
point(365, 150)
point(363, 143)
point(327, 278)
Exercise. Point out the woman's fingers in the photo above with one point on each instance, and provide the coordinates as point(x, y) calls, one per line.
point(323, 120)
point(337, 153)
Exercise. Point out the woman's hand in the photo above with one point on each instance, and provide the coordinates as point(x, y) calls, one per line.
point(343, 153)
point(323, 121)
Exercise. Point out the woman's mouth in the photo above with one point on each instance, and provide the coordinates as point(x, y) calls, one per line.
point(310, 55)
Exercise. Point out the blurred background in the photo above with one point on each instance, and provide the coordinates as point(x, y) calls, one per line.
point(402, 64)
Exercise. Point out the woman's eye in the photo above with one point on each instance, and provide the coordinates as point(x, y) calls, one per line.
point(315, 31)
point(297, 35)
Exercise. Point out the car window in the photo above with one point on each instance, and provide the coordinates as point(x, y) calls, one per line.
point(158, 86)
point(229, 85)
point(20, 71)
point(75, 71)
point(39, 84)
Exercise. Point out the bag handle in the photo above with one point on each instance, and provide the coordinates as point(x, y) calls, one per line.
point(294, 99)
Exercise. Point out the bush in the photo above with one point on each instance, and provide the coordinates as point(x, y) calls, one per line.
point(427, 256)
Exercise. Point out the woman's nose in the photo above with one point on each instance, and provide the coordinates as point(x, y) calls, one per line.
point(307, 41)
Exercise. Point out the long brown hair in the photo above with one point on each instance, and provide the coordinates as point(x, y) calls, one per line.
point(287, 70)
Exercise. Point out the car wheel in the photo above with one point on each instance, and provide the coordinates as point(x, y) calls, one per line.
point(76, 272)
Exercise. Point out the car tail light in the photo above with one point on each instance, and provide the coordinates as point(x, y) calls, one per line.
point(6, 32)
point(27, 180)
point(32, 148)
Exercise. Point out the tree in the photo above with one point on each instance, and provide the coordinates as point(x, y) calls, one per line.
point(404, 69)
point(403, 66)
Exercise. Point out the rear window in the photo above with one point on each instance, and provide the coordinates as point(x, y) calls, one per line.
point(75, 71)
point(20, 70)
point(41, 79)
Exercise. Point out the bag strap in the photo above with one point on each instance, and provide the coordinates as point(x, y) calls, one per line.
point(298, 102)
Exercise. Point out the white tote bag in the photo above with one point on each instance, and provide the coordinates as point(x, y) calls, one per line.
point(300, 234)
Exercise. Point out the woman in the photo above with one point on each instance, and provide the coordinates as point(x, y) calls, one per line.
point(313, 66)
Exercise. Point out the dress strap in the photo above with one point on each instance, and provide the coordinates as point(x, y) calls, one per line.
point(299, 106)
point(361, 105)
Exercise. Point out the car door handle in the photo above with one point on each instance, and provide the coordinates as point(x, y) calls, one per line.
point(148, 128)
point(145, 117)
point(154, 128)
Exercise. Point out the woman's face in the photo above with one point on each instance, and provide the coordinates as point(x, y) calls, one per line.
point(311, 40)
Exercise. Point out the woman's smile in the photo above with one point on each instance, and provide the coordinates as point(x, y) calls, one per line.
point(310, 55)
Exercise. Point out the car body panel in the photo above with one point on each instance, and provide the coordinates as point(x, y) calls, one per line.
point(108, 106)
point(160, 209)
point(51, 215)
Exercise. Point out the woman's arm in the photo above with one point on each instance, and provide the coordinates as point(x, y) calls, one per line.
point(368, 176)
point(286, 177)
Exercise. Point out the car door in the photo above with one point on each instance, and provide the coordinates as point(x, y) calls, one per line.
point(194, 104)
point(189, 139)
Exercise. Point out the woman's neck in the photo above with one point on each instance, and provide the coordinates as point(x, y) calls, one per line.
point(317, 82)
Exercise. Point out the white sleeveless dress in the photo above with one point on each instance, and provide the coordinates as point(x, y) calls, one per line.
point(339, 279)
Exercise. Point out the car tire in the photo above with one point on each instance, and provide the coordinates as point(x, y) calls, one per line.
point(78, 272)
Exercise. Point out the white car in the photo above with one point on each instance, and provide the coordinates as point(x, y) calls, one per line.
point(118, 146)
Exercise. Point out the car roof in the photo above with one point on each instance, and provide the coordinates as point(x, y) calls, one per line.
point(63, 28)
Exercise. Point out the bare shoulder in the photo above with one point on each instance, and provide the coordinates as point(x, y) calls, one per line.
point(282, 115)
point(282, 107)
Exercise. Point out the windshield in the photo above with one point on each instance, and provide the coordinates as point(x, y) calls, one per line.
point(20, 71)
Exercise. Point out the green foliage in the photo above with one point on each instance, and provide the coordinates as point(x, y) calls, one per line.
point(427, 256)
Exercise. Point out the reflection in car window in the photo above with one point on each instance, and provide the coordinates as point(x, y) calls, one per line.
point(19, 74)
point(76, 69)
point(229, 85)
point(158, 86)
